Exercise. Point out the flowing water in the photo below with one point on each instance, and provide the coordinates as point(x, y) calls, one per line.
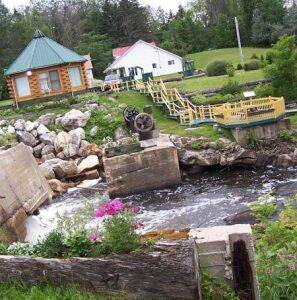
point(201, 202)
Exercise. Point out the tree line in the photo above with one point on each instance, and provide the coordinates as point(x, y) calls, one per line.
point(98, 26)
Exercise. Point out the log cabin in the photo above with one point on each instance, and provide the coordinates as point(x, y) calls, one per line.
point(45, 69)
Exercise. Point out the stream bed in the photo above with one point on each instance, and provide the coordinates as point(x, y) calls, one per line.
point(201, 202)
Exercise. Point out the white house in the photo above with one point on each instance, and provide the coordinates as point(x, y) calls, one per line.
point(143, 57)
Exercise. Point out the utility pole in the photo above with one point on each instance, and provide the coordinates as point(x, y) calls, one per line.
point(239, 41)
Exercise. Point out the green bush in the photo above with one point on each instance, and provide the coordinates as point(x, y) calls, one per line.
point(217, 68)
point(239, 67)
point(252, 65)
point(53, 245)
point(265, 90)
point(231, 87)
point(270, 56)
point(78, 244)
point(230, 71)
point(21, 249)
point(264, 208)
point(3, 249)
point(287, 135)
point(254, 56)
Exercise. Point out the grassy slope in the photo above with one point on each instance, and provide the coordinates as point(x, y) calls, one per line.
point(202, 59)
point(202, 83)
point(5, 102)
point(166, 125)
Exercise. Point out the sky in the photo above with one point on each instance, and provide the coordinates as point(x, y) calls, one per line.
point(166, 4)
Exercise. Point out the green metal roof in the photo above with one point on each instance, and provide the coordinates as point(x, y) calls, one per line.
point(42, 52)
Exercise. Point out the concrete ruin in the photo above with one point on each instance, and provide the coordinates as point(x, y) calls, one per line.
point(23, 189)
point(227, 252)
point(261, 132)
point(154, 167)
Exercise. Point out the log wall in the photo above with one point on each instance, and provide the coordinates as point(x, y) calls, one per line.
point(166, 273)
point(35, 86)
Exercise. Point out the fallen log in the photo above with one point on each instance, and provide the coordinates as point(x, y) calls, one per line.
point(165, 273)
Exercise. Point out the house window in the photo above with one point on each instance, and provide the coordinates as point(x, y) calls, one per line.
point(171, 62)
point(154, 66)
point(49, 81)
point(75, 78)
point(22, 86)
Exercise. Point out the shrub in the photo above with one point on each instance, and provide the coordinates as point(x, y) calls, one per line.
point(270, 56)
point(264, 90)
point(287, 135)
point(230, 71)
point(231, 87)
point(196, 145)
point(252, 65)
point(21, 249)
point(3, 249)
point(79, 244)
point(254, 56)
point(217, 68)
point(53, 245)
point(239, 67)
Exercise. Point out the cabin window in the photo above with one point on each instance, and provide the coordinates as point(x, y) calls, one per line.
point(154, 66)
point(75, 78)
point(171, 62)
point(22, 86)
point(49, 81)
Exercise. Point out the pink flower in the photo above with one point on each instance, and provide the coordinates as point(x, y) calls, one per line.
point(135, 209)
point(110, 208)
point(94, 237)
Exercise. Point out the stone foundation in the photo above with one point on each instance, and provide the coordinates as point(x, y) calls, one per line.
point(227, 252)
point(261, 132)
point(22, 190)
point(153, 168)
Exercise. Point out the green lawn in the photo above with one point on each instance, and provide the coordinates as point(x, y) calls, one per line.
point(166, 125)
point(5, 102)
point(202, 83)
point(202, 59)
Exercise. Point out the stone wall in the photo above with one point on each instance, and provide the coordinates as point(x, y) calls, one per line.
point(153, 168)
point(23, 189)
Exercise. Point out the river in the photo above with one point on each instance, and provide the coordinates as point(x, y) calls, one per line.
point(201, 202)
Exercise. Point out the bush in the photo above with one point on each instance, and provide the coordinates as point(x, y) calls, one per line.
point(52, 246)
point(231, 87)
point(287, 135)
point(265, 90)
point(79, 245)
point(3, 249)
point(217, 68)
point(230, 71)
point(252, 65)
point(239, 67)
point(254, 56)
point(21, 249)
point(270, 56)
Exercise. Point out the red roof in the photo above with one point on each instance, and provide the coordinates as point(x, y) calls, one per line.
point(117, 52)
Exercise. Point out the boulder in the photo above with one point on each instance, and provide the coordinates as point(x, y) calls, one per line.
point(41, 129)
point(63, 168)
point(284, 161)
point(77, 135)
point(29, 126)
point(74, 119)
point(47, 171)
point(201, 158)
point(48, 138)
point(58, 186)
point(61, 141)
point(37, 150)
point(87, 149)
point(19, 125)
point(10, 130)
point(34, 133)
point(71, 150)
point(3, 123)
point(27, 138)
point(94, 131)
point(47, 149)
point(120, 133)
point(89, 163)
point(47, 119)
point(48, 156)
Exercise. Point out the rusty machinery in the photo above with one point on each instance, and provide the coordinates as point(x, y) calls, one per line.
point(141, 123)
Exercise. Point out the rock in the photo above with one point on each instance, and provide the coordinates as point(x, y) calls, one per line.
point(58, 186)
point(61, 141)
point(71, 150)
point(47, 119)
point(37, 150)
point(47, 149)
point(87, 149)
point(61, 155)
point(2, 132)
point(63, 168)
point(41, 129)
point(47, 171)
point(34, 133)
point(120, 133)
point(3, 123)
point(92, 106)
point(89, 163)
point(201, 158)
point(58, 121)
point(244, 217)
point(85, 185)
point(94, 131)
point(10, 130)
point(19, 125)
point(27, 138)
point(29, 126)
point(74, 119)
point(284, 161)
point(77, 135)
point(48, 138)
point(48, 156)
